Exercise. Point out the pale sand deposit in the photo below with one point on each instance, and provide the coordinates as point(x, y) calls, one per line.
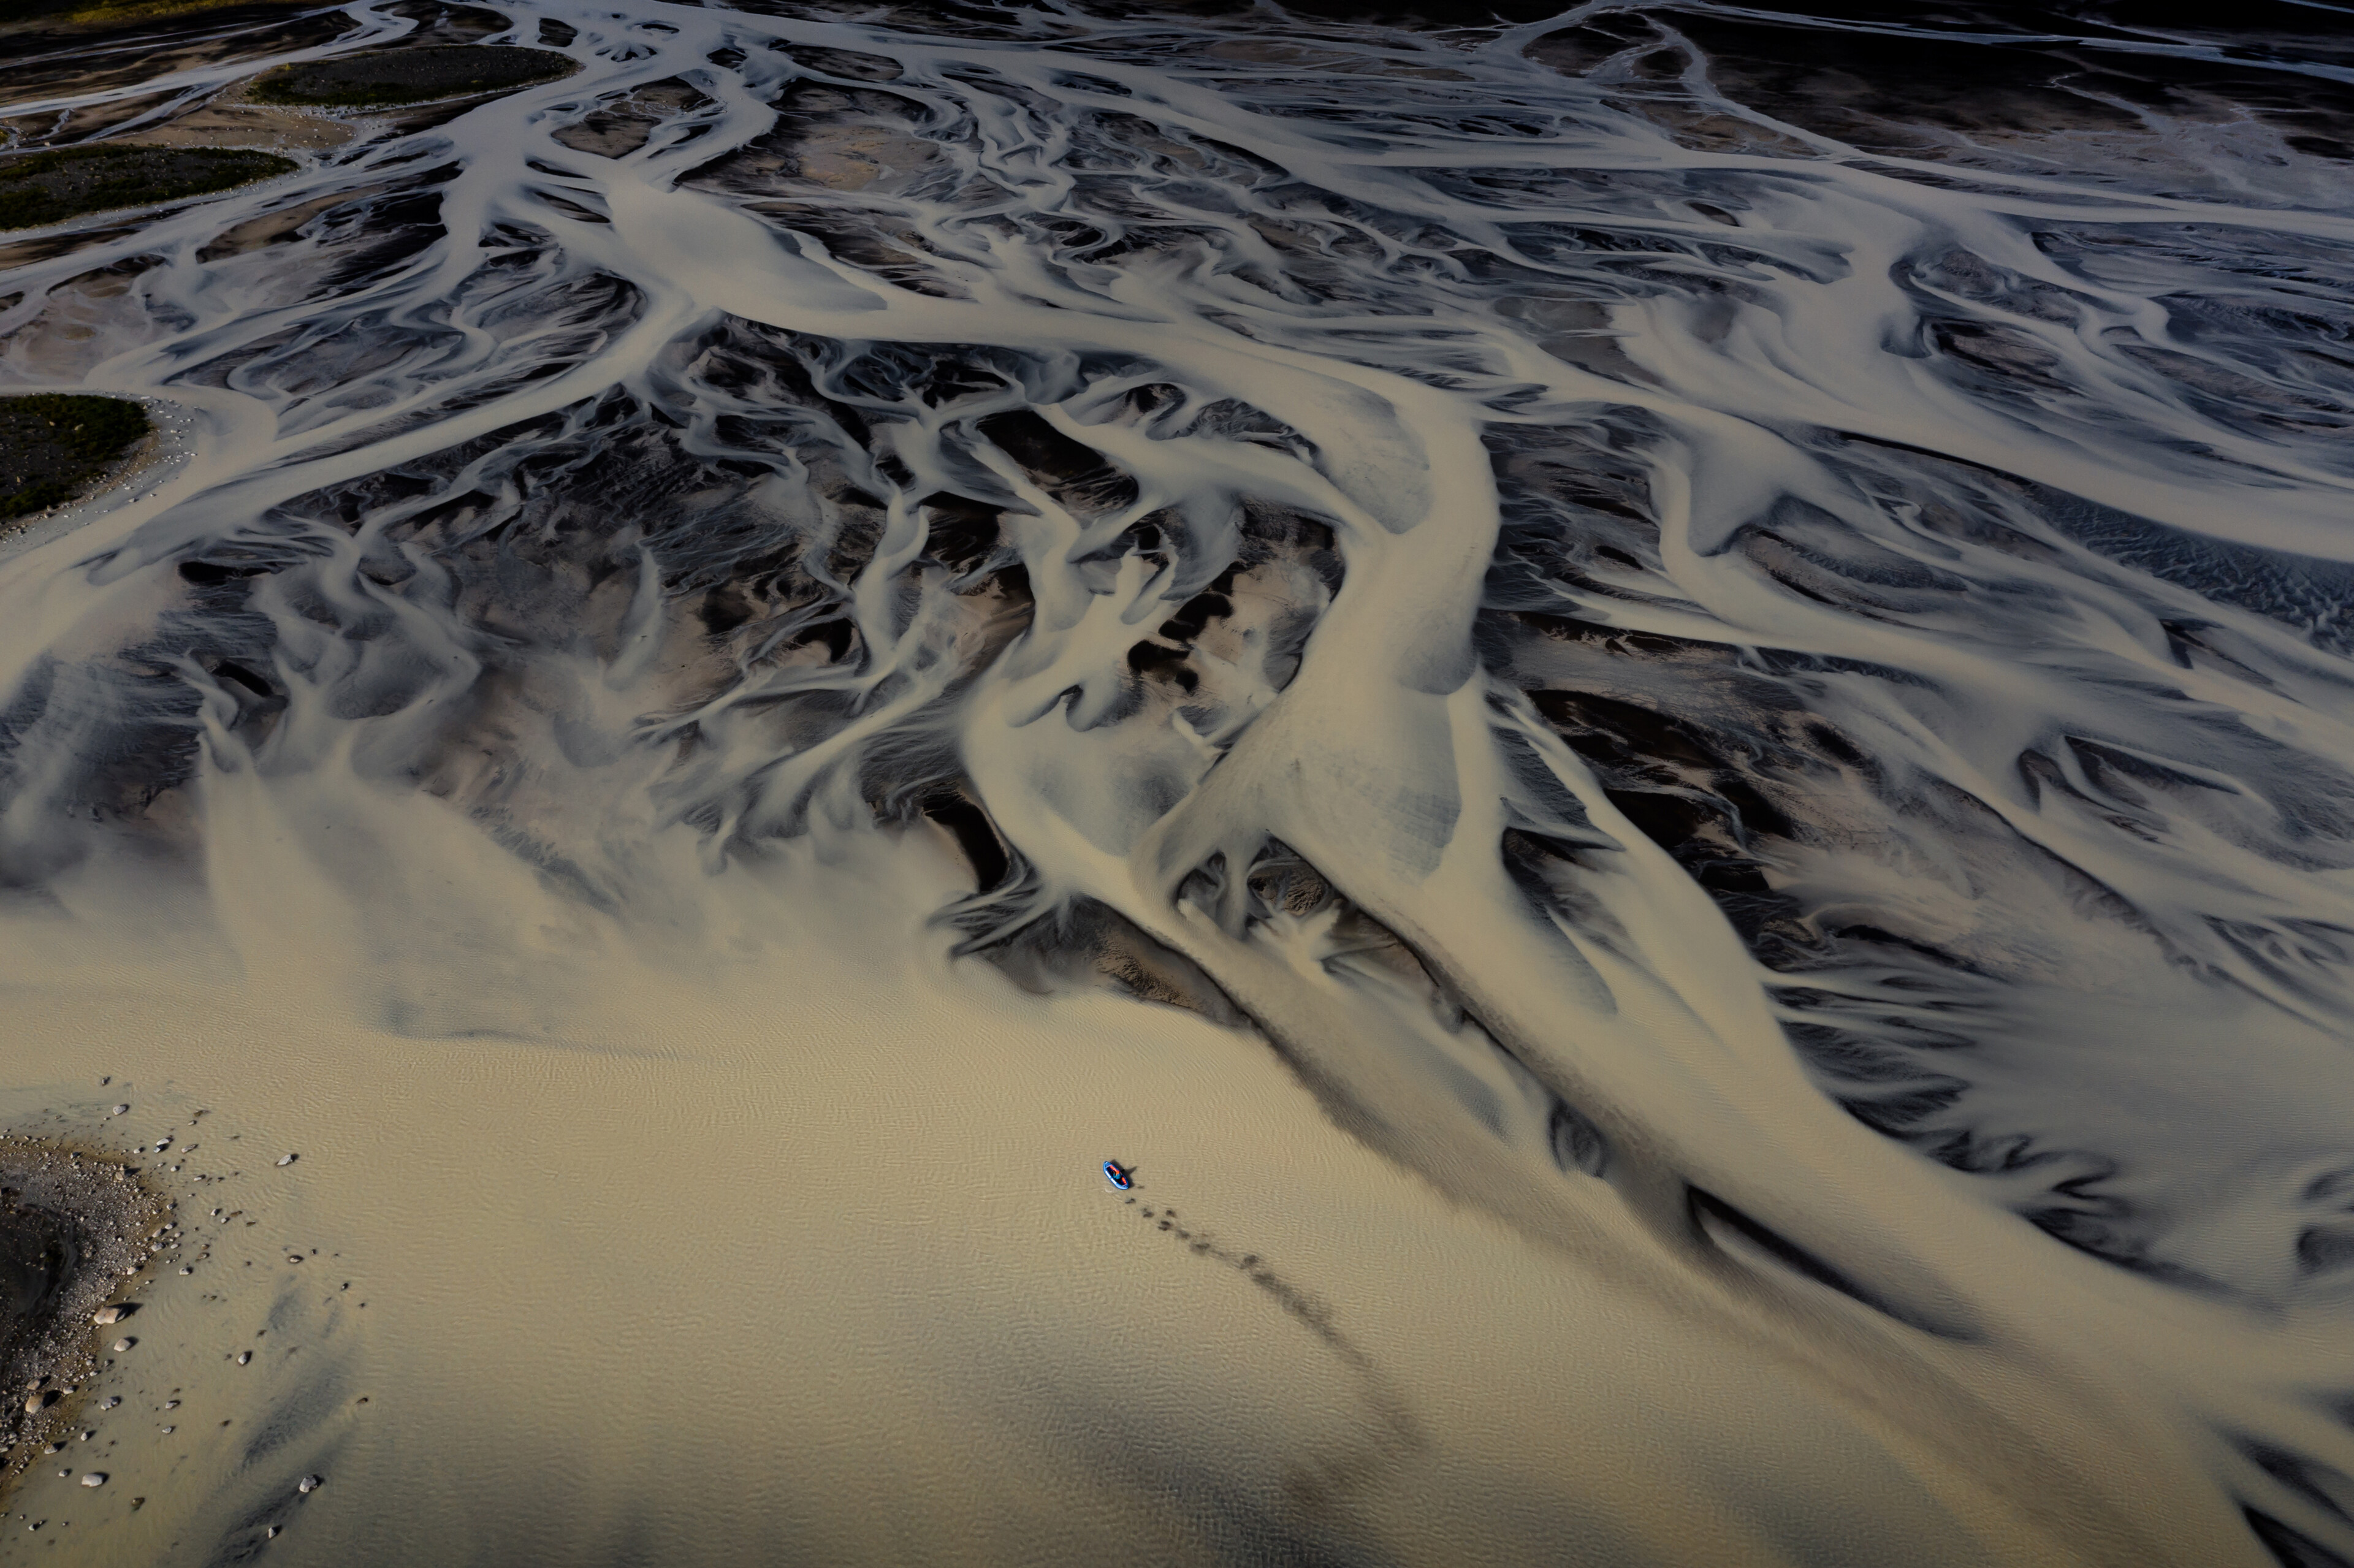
point(809, 1246)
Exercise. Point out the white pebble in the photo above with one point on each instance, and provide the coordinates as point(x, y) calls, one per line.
point(124, 1344)
point(287, 1158)
point(107, 1315)
point(118, 1110)
point(310, 1483)
point(243, 1357)
point(94, 1478)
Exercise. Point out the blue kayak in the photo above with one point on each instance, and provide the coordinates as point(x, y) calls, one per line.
point(1120, 1176)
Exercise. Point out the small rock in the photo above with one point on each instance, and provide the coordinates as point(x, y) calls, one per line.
point(124, 1344)
point(310, 1483)
point(118, 1110)
point(95, 1478)
point(110, 1401)
point(243, 1357)
point(115, 1314)
point(169, 1430)
point(293, 1257)
point(288, 1158)
point(36, 1404)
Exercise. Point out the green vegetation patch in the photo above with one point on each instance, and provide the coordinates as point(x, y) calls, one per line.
point(49, 187)
point(410, 76)
point(110, 13)
point(52, 444)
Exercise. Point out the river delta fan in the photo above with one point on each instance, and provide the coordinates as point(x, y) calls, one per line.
point(1673, 750)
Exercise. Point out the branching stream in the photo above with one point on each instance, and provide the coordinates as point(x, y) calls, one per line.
point(1773, 716)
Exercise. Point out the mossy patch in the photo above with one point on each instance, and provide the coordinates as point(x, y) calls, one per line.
point(37, 188)
point(99, 14)
point(53, 444)
point(410, 76)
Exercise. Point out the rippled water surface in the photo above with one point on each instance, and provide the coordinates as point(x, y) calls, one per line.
point(1656, 704)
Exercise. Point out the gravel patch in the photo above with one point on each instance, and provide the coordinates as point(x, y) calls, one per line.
point(53, 444)
point(75, 1230)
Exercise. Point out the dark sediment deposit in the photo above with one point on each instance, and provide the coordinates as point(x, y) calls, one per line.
point(91, 15)
point(52, 445)
point(74, 1230)
point(49, 187)
point(410, 76)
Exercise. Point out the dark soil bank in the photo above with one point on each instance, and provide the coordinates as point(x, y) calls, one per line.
point(93, 16)
point(75, 1229)
point(49, 187)
point(412, 76)
point(52, 444)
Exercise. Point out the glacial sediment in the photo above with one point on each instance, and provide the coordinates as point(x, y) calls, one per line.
point(76, 1228)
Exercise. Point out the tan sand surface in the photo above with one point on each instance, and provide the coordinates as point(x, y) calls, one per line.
point(809, 1254)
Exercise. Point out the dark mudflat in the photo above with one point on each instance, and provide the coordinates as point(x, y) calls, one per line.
point(412, 76)
point(53, 445)
point(37, 188)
